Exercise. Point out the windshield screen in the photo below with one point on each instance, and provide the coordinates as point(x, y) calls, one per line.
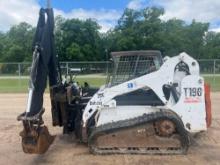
point(130, 65)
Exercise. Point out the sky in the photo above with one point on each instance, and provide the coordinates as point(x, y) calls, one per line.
point(107, 12)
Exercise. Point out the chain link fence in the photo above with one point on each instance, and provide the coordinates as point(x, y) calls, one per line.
point(23, 69)
point(14, 76)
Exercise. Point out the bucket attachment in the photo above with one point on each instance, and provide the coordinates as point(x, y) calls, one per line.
point(36, 138)
point(36, 141)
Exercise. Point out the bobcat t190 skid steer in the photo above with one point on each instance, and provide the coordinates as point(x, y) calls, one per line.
point(149, 105)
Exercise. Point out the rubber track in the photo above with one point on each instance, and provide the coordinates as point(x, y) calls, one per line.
point(142, 120)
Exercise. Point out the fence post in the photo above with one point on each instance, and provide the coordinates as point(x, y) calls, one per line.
point(107, 70)
point(106, 58)
point(19, 70)
point(67, 68)
point(214, 72)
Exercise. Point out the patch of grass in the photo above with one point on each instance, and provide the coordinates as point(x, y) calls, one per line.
point(13, 85)
point(17, 85)
point(214, 81)
point(94, 82)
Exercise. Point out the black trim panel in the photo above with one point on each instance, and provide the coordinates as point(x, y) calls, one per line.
point(139, 97)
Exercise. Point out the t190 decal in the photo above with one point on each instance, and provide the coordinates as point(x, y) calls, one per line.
point(193, 95)
point(193, 92)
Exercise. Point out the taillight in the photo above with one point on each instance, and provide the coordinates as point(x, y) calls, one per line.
point(208, 105)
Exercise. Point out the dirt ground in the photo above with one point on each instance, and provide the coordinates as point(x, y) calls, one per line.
point(65, 150)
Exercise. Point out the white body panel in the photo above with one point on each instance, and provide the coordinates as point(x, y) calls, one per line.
point(191, 112)
point(108, 115)
point(192, 109)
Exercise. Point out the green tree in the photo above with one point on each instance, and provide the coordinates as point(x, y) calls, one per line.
point(76, 35)
point(17, 43)
point(74, 52)
point(211, 47)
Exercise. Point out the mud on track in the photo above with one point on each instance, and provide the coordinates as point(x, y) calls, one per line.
point(65, 150)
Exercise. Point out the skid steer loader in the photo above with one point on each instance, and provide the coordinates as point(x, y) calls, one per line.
point(149, 105)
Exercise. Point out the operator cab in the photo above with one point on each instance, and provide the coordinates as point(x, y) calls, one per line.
point(132, 64)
